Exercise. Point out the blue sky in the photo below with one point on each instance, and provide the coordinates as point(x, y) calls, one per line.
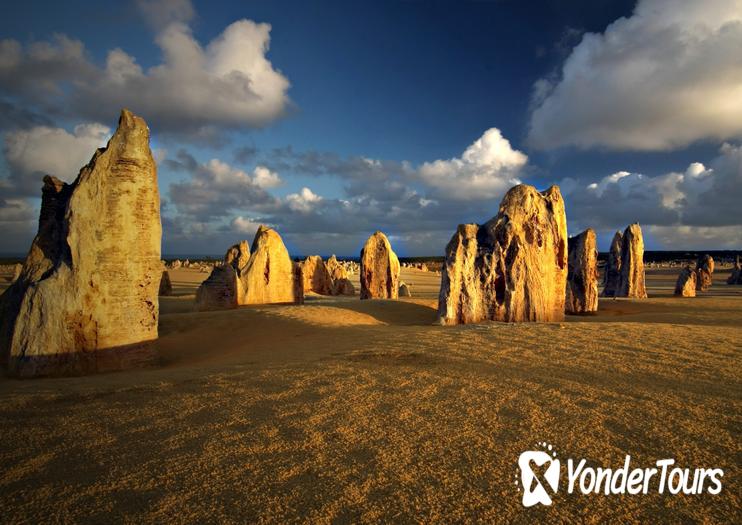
point(361, 99)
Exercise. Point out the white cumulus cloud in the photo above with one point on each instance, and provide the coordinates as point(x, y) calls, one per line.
point(195, 90)
point(305, 201)
point(486, 169)
point(664, 77)
point(42, 150)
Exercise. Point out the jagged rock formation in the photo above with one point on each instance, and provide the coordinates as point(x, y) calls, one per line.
point(612, 274)
point(404, 290)
point(512, 268)
point(166, 286)
point(736, 276)
point(337, 270)
point(631, 282)
point(379, 269)
point(704, 273)
point(582, 275)
point(269, 276)
point(317, 277)
point(341, 285)
point(86, 299)
point(238, 255)
point(685, 286)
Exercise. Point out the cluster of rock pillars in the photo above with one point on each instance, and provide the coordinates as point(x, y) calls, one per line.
point(86, 298)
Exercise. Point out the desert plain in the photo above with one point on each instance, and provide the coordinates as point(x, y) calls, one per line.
point(348, 411)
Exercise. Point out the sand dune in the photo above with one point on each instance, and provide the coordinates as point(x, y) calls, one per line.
point(348, 411)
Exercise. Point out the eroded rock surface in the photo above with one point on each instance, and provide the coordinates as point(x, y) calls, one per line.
point(631, 281)
point(512, 268)
point(704, 273)
point(269, 276)
point(582, 275)
point(685, 286)
point(86, 299)
point(237, 256)
point(379, 269)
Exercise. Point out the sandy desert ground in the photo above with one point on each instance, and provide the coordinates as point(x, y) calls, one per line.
point(362, 411)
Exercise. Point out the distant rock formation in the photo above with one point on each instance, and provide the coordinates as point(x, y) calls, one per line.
point(736, 276)
point(512, 268)
point(612, 274)
point(704, 273)
point(317, 277)
point(237, 256)
point(404, 290)
point(343, 287)
point(631, 282)
point(86, 299)
point(166, 287)
point(337, 270)
point(685, 286)
point(269, 276)
point(379, 269)
point(582, 276)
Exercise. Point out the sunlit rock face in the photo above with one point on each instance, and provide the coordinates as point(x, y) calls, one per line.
point(685, 286)
point(582, 276)
point(268, 276)
point(317, 277)
point(379, 269)
point(238, 255)
point(86, 299)
point(631, 282)
point(704, 273)
point(512, 268)
point(613, 267)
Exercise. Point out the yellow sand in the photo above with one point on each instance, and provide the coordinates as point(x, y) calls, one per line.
point(349, 411)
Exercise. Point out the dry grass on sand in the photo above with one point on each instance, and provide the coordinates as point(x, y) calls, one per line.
point(350, 411)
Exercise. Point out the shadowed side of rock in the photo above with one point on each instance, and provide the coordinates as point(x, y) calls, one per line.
point(91, 278)
point(317, 277)
point(166, 286)
point(736, 276)
point(612, 274)
point(512, 268)
point(582, 275)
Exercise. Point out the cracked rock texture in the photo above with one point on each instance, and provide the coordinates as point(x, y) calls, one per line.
point(86, 299)
point(512, 268)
